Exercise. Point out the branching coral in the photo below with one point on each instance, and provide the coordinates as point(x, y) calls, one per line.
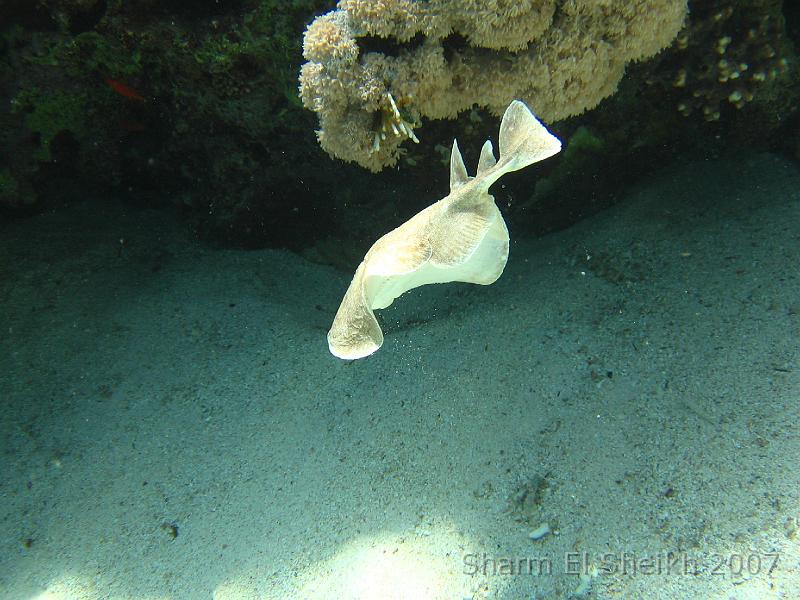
point(442, 57)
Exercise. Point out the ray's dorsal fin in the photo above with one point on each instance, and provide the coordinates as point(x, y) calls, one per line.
point(458, 171)
point(487, 159)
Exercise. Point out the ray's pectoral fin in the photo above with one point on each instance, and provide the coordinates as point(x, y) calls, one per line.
point(389, 269)
point(355, 332)
point(472, 245)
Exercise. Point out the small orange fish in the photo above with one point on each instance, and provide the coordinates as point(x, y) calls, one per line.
point(124, 90)
point(132, 126)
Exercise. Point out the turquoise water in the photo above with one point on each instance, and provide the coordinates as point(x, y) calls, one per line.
point(174, 426)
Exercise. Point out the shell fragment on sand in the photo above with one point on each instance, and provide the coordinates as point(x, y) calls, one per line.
point(540, 532)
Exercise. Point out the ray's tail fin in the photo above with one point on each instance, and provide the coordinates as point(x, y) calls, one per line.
point(523, 139)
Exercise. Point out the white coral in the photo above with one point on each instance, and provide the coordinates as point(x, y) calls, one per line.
point(560, 62)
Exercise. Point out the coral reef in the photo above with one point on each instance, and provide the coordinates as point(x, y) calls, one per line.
point(49, 114)
point(728, 55)
point(196, 104)
point(14, 194)
point(677, 105)
point(193, 101)
point(436, 59)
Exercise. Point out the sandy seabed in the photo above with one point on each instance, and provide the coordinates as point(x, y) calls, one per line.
point(174, 427)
